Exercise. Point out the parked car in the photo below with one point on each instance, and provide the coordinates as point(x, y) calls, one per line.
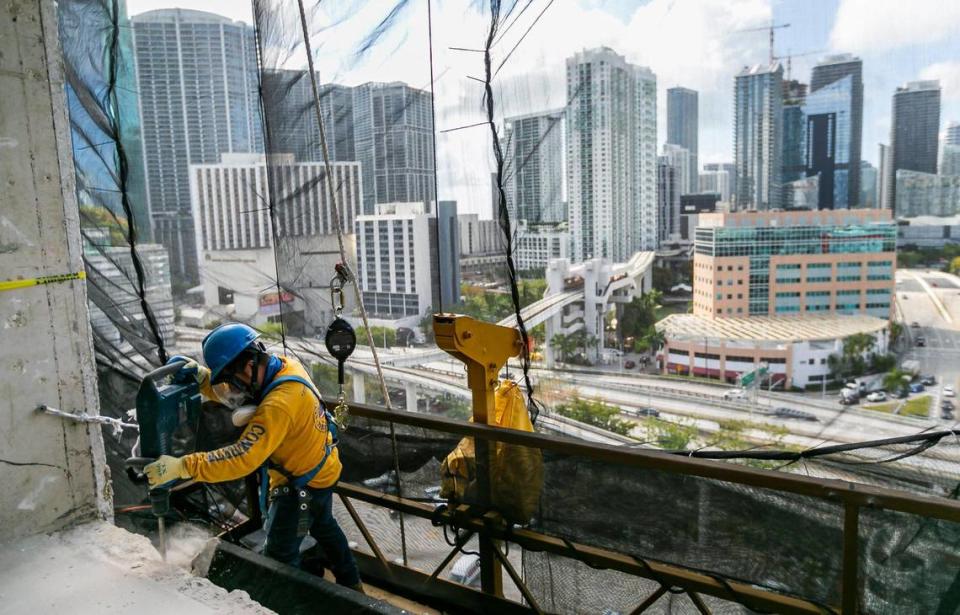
point(914, 324)
point(946, 405)
point(916, 387)
point(735, 394)
point(792, 413)
point(928, 380)
point(948, 390)
point(629, 364)
point(466, 570)
point(877, 396)
point(902, 393)
point(946, 415)
point(921, 341)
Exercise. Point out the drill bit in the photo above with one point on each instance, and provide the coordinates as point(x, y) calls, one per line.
point(162, 532)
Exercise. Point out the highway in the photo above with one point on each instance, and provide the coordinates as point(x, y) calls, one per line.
point(696, 403)
point(931, 300)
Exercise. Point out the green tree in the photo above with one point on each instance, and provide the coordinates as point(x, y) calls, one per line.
point(954, 266)
point(379, 334)
point(272, 330)
point(325, 377)
point(663, 279)
point(565, 345)
point(896, 379)
point(896, 330)
point(596, 413)
point(858, 344)
point(668, 435)
point(640, 314)
point(426, 325)
point(654, 338)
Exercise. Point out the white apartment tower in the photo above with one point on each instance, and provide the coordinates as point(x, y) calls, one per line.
point(394, 266)
point(231, 210)
point(611, 140)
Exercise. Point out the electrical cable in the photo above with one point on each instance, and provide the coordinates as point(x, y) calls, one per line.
point(533, 407)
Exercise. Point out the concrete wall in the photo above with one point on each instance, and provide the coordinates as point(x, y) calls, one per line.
point(52, 473)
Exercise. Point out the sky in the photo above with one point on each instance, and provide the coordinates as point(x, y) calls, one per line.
point(699, 44)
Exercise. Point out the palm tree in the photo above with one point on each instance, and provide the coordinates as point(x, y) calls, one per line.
point(895, 379)
point(656, 339)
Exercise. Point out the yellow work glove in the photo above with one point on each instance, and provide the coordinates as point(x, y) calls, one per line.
point(165, 469)
point(190, 369)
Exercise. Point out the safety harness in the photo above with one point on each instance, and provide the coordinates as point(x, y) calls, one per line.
point(297, 483)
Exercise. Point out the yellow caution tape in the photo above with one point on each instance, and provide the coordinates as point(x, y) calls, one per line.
point(47, 279)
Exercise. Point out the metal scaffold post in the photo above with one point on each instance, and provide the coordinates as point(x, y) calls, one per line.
point(485, 349)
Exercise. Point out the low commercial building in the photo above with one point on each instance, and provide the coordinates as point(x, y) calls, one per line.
point(242, 284)
point(794, 263)
point(927, 194)
point(794, 350)
point(928, 231)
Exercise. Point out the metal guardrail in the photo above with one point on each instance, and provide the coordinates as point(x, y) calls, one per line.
point(853, 497)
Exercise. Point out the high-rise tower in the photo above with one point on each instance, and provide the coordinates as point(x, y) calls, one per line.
point(611, 130)
point(197, 79)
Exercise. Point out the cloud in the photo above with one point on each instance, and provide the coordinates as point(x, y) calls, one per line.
point(870, 26)
point(949, 75)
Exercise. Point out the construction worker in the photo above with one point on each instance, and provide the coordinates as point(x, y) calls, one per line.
point(290, 432)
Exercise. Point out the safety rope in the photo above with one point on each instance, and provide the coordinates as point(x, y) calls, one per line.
point(268, 179)
point(335, 211)
point(436, 181)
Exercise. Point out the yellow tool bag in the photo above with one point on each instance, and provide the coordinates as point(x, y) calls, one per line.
point(516, 472)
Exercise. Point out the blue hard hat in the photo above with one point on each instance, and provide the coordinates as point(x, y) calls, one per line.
point(224, 344)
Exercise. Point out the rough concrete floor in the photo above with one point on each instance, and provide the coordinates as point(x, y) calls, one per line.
point(100, 568)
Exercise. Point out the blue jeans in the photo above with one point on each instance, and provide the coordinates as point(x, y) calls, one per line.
point(283, 544)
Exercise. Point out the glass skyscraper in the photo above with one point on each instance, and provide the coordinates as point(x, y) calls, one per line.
point(793, 157)
point(914, 132)
point(534, 167)
point(292, 120)
point(828, 131)
point(393, 136)
point(682, 130)
point(758, 128)
point(197, 76)
point(843, 190)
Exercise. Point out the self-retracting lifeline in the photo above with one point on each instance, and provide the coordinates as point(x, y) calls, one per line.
point(340, 338)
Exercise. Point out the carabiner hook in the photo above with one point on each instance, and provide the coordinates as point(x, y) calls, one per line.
point(336, 294)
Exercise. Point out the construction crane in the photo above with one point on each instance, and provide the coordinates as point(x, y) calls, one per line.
point(789, 57)
point(771, 29)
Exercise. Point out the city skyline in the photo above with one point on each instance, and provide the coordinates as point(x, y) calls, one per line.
point(533, 81)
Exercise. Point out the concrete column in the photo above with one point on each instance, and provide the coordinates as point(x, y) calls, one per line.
point(359, 389)
point(411, 390)
point(552, 328)
point(52, 473)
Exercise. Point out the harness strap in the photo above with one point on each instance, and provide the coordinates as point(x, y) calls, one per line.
point(298, 482)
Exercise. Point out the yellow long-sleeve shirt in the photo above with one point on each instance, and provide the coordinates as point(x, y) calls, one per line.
point(289, 427)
